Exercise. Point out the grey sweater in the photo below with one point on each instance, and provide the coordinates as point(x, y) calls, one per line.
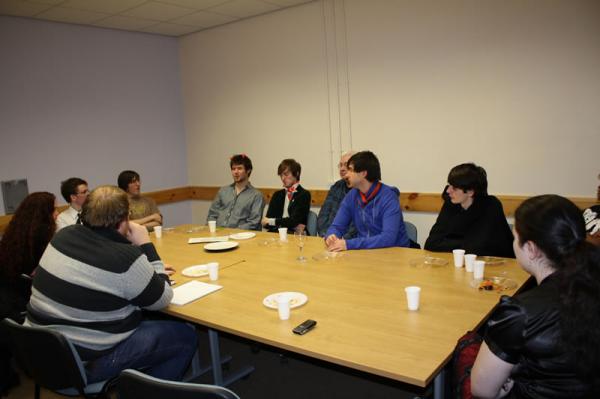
point(91, 285)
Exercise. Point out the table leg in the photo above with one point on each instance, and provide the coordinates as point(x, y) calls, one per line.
point(215, 356)
point(216, 361)
point(439, 386)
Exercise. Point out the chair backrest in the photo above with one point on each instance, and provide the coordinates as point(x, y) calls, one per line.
point(132, 384)
point(411, 231)
point(311, 224)
point(46, 356)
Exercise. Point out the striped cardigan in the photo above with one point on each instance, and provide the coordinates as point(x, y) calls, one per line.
point(91, 285)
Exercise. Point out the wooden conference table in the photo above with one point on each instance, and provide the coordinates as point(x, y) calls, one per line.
point(357, 299)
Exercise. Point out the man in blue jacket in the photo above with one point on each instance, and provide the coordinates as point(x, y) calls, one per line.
point(373, 207)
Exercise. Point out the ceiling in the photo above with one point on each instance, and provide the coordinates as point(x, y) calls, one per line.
point(163, 17)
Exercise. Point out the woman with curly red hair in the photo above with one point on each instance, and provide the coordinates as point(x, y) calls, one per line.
point(27, 235)
point(22, 245)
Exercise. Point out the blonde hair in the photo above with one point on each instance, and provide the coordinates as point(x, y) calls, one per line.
point(106, 206)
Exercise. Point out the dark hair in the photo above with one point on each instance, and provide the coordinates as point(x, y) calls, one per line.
point(468, 176)
point(291, 165)
point(366, 160)
point(554, 224)
point(69, 187)
point(106, 206)
point(241, 159)
point(27, 235)
point(126, 177)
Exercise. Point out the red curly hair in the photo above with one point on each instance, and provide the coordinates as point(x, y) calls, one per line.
point(27, 235)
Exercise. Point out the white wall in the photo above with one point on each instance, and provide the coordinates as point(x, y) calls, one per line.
point(90, 102)
point(512, 85)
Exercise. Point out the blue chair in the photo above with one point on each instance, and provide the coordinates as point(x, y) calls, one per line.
point(311, 224)
point(132, 384)
point(411, 231)
point(49, 359)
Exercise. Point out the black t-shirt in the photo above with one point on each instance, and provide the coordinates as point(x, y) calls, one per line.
point(525, 331)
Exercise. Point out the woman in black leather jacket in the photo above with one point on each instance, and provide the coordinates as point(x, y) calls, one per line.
point(543, 343)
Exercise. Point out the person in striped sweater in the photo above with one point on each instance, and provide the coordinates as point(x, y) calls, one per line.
point(91, 285)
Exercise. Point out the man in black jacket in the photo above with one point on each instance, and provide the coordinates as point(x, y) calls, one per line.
point(470, 219)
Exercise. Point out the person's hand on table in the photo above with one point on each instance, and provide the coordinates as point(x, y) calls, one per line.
point(169, 269)
point(330, 239)
point(264, 221)
point(335, 244)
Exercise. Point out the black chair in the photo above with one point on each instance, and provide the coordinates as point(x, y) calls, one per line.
point(132, 384)
point(49, 359)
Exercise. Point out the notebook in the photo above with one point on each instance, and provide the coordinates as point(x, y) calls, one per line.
point(191, 291)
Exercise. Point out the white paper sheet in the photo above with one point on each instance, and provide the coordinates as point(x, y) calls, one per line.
point(191, 291)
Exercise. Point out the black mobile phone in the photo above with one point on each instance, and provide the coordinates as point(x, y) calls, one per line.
point(304, 327)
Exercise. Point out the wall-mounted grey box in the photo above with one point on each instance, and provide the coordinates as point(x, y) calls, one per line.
point(13, 192)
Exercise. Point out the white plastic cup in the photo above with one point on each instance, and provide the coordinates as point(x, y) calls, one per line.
point(158, 231)
point(458, 257)
point(478, 269)
point(283, 233)
point(213, 271)
point(469, 262)
point(283, 306)
point(412, 297)
point(212, 226)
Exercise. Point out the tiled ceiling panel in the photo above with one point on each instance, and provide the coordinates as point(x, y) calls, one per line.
point(21, 8)
point(195, 4)
point(203, 19)
point(123, 22)
point(71, 15)
point(244, 8)
point(158, 11)
point(103, 6)
point(163, 17)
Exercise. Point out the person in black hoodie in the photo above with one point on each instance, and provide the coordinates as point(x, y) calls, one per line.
point(470, 219)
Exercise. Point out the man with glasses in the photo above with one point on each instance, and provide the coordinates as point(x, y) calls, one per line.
point(74, 190)
point(336, 194)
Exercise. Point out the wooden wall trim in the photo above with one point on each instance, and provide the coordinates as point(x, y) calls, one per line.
point(412, 202)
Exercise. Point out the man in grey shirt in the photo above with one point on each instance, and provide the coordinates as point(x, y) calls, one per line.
point(238, 205)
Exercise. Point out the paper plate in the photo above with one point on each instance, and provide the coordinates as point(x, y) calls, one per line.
point(221, 246)
point(428, 261)
point(243, 236)
point(297, 299)
point(327, 255)
point(195, 271)
point(496, 283)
